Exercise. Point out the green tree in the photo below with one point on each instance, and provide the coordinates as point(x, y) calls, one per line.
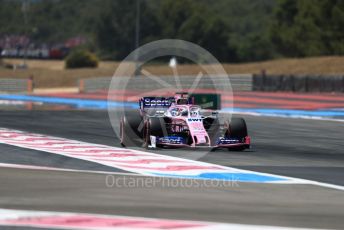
point(115, 29)
point(333, 12)
point(81, 59)
point(194, 22)
point(309, 27)
point(282, 31)
point(11, 17)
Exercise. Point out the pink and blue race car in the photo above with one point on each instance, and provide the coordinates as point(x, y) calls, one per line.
point(178, 122)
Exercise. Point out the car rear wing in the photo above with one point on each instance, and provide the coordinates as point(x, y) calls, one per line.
point(155, 102)
point(206, 101)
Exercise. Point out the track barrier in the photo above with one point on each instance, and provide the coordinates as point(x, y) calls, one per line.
point(298, 83)
point(16, 85)
point(239, 82)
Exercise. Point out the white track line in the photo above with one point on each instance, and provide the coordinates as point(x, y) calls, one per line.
point(141, 162)
point(68, 148)
point(66, 220)
point(34, 167)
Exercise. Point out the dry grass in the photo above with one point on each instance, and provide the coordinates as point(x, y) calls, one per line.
point(52, 73)
point(316, 65)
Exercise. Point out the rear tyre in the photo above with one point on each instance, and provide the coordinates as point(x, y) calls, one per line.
point(130, 133)
point(237, 129)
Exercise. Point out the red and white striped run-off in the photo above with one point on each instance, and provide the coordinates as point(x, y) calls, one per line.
point(144, 163)
point(64, 220)
point(129, 160)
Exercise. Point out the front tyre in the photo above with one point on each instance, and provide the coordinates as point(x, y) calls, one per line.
point(154, 126)
point(237, 129)
point(130, 133)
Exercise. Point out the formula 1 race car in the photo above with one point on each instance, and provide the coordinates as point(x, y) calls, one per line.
point(178, 122)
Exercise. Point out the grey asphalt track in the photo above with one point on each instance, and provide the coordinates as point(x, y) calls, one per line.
point(307, 149)
point(262, 204)
point(293, 147)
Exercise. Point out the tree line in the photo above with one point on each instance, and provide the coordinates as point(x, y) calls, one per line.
point(232, 30)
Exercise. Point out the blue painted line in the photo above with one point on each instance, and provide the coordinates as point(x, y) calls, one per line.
point(78, 103)
point(103, 104)
point(290, 112)
point(240, 177)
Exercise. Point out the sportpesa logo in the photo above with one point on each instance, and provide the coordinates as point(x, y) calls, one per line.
point(157, 102)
